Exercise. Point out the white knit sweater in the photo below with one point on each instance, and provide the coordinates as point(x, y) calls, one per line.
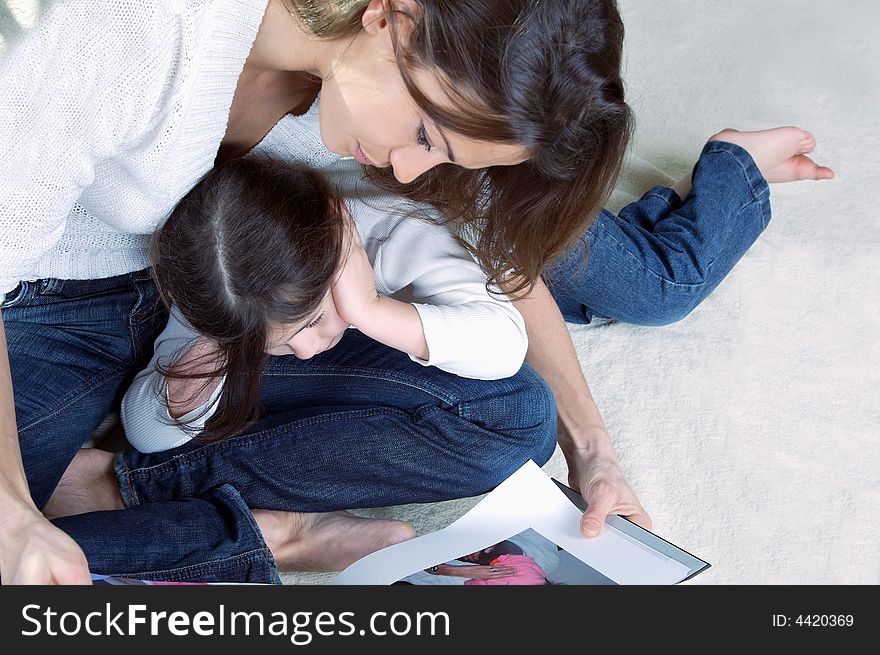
point(110, 111)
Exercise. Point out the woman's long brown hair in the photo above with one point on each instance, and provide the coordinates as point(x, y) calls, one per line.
point(543, 74)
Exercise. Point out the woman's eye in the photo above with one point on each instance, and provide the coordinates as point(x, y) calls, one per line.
point(422, 138)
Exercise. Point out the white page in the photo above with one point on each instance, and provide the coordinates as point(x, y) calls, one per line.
point(527, 499)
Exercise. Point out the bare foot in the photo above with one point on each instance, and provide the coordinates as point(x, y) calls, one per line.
point(799, 167)
point(88, 485)
point(779, 153)
point(326, 541)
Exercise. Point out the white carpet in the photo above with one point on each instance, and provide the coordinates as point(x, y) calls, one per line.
point(751, 429)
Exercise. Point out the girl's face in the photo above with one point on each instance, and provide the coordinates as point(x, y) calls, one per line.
point(311, 337)
point(366, 112)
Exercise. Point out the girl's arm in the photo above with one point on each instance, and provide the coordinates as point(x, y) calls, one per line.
point(389, 321)
point(593, 468)
point(444, 316)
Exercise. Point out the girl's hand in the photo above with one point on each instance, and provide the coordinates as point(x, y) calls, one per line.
point(354, 291)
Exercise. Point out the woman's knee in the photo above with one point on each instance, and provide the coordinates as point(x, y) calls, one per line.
point(521, 416)
point(671, 304)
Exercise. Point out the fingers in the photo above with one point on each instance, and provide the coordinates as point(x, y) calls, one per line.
point(73, 575)
point(601, 499)
point(604, 499)
point(640, 517)
point(504, 570)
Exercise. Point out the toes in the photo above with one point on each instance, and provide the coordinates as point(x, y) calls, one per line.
point(824, 173)
point(807, 142)
point(799, 167)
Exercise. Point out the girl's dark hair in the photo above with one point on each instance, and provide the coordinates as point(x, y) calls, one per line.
point(254, 245)
point(543, 74)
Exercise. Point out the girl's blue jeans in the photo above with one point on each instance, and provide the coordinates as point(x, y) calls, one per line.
point(360, 425)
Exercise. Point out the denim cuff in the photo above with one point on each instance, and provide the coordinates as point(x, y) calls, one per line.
point(250, 556)
point(757, 184)
point(266, 570)
point(126, 489)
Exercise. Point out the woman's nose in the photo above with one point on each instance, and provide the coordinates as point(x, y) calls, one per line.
point(409, 162)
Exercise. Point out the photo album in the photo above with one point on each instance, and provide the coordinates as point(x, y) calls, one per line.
point(527, 532)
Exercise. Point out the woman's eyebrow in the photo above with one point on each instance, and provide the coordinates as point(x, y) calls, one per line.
point(446, 142)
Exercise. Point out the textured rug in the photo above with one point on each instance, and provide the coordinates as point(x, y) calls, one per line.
point(751, 429)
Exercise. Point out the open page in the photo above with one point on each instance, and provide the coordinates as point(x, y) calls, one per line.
point(527, 531)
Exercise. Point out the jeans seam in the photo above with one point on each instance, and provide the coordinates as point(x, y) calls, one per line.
point(123, 471)
point(179, 461)
point(70, 398)
point(214, 566)
point(370, 374)
point(745, 170)
point(140, 313)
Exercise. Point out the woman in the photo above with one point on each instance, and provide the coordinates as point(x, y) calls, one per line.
point(521, 143)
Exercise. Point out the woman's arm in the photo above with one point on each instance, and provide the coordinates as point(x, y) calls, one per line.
point(593, 469)
point(32, 550)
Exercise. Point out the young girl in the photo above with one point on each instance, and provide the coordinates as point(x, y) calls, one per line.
point(261, 259)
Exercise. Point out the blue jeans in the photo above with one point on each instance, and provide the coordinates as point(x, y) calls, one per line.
point(74, 346)
point(661, 256)
point(361, 425)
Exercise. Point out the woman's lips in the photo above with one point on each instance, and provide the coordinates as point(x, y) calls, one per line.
point(360, 157)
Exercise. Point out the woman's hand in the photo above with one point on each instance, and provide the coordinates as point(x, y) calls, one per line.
point(33, 551)
point(597, 477)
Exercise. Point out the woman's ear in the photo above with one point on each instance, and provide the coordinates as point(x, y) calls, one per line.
point(375, 19)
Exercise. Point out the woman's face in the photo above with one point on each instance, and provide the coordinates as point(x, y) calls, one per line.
point(366, 112)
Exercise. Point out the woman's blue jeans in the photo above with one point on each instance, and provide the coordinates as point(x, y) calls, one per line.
point(662, 256)
point(360, 425)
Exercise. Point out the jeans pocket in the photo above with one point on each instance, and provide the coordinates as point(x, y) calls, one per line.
point(15, 296)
